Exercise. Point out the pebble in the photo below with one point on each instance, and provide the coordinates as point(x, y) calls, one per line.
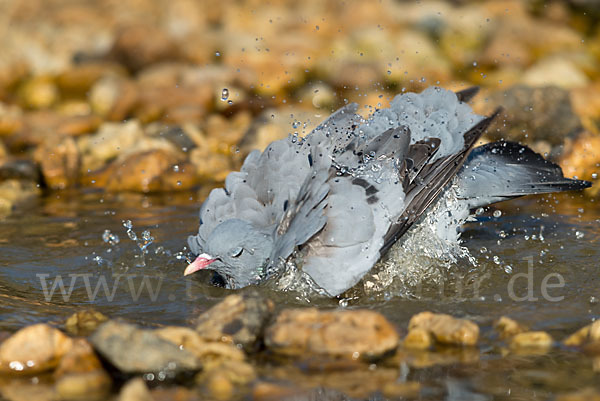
point(507, 327)
point(585, 335)
point(134, 350)
point(446, 329)
point(353, 334)
point(33, 349)
point(84, 322)
point(135, 390)
point(531, 340)
point(59, 162)
point(239, 318)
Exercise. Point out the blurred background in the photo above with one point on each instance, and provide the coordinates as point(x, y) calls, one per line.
point(167, 95)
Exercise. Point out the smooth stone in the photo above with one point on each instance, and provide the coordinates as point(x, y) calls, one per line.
point(19, 169)
point(418, 339)
point(134, 350)
point(39, 93)
point(507, 327)
point(33, 349)
point(84, 322)
point(339, 333)
point(239, 318)
point(59, 161)
point(555, 71)
point(135, 390)
point(585, 335)
point(531, 340)
point(446, 329)
point(114, 97)
point(143, 172)
point(539, 113)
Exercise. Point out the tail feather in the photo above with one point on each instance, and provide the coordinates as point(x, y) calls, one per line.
point(503, 170)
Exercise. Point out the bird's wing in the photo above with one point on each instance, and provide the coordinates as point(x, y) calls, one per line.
point(503, 170)
point(429, 182)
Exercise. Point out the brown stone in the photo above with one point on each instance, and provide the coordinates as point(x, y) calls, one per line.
point(581, 159)
point(239, 318)
point(135, 390)
point(79, 79)
point(418, 339)
point(445, 328)
point(10, 119)
point(79, 125)
point(141, 172)
point(80, 374)
point(84, 322)
point(339, 333)
point(33, 349)
point(507, 327)
point(139, 45)
point(585, 335)
point(134, 350)
point(59, 161)
point(114, 97)
point(39, 93)
point(531, 340)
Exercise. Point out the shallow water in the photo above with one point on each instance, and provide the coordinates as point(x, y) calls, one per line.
point(61, 237)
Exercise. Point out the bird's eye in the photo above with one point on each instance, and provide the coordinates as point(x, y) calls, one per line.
point(237, 252)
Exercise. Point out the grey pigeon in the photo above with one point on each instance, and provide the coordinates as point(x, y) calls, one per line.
point(336, 201)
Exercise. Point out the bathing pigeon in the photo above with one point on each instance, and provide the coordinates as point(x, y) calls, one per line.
point(334, 202)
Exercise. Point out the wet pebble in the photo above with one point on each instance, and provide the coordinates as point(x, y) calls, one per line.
point(135, 390)
point(238, 318)
point(84, 322)
point(586, 335)
point(80, 374)
point(133, 350)
point(33, 349)
point(446, 329)
point(507, 327)
point(339, 333)
point(59, 161)
point(531, 341)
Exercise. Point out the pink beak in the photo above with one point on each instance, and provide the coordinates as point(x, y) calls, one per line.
point(200, 263)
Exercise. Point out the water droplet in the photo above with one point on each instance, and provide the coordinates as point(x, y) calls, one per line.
point(593, 300)
point(474, 63)
point(497, 213)
point(218, 54)
point(224, 94)
point(479, 211)
point(176, 168)
point(579, 234)
point(594, 176)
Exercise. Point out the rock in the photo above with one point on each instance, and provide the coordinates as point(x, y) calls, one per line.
point(19, 169)
point(555, 71)
point(581, 158)
point(114, 97)
point(79, 79)
point(338, 333)
point(418, 339)
point(532, 114)
point(239, 318)
point(586, 394)
point(14, 192)
point(59, 161)
point(139, 45)
point(134, 350)
point(79, 125)
point(143, 172)
point(209, 352)
point(266, 391)
point(531, 340)
point(39, 93)
point(84, 322)
point(10, 119)
point(80, 374)
point(586, 103)
point(33, 349)
point(135, 390)
point(507, 327)
point(111, 140)
point(227, 379)
point(442, 356)
point(445, 328)
point(27, 389)
point(179, 177)
point(209, 166)
point(585, 335)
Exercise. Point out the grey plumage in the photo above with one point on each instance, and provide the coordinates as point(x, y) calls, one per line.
point(336, 201)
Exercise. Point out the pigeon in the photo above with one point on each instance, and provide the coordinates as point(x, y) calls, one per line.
point(334, 202)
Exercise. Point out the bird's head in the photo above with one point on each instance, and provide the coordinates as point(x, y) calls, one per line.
point(237, 251)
